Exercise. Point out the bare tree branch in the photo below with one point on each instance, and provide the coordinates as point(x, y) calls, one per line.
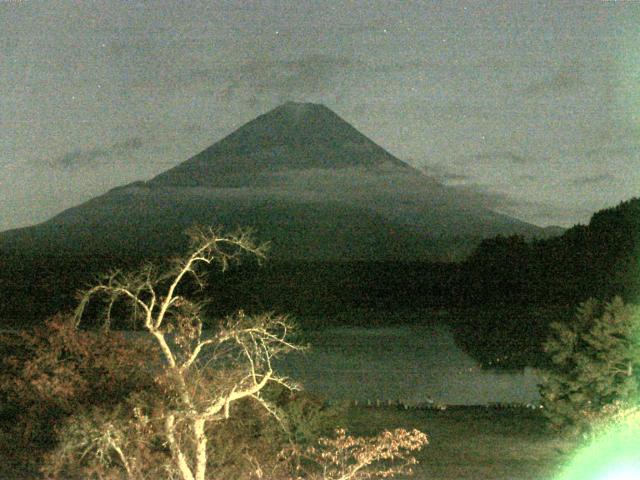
point(245, 343)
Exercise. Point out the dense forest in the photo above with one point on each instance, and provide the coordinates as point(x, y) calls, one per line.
point(600, 259)
point(502, 297)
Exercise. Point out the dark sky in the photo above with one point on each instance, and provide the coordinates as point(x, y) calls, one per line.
point(536, 104)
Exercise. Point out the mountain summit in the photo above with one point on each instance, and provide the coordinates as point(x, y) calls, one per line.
point(304, 178)
point(293, 136)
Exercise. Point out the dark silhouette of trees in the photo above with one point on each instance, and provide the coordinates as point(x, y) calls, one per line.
point(600, 260)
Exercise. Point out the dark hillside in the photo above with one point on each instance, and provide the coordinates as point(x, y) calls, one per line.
point(527, 285)
point(294, 136)
point(601, 259)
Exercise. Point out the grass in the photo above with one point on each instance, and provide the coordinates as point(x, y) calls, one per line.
point(473, 443)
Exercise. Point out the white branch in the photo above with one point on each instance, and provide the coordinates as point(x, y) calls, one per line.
point(157, 296)
point(194, 355)
point(176, 451)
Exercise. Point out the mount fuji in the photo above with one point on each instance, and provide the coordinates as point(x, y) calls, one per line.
point(302, 177)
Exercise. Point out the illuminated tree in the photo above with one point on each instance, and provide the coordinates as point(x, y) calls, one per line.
point(202, 382)
point(345, 457)
point(238, 356)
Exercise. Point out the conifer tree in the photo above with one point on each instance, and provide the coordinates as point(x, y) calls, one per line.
point(595, 359)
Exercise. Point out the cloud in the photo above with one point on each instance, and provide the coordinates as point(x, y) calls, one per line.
point(420, 196)
point(454, 177)
point(533, 211)
point(189, 129)
point(83, 157)
point(527, 177)
point(537, 212)
point(507, 155)
point(440, 172)
point(614, 150)
point(280, 80)
point(543, 213)
point(9, 45)
point(472, 190)
point(587, 180)
point(482, 195)
point(567, 79)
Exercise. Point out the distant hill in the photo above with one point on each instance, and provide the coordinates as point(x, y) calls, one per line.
point(600, 259)
point(304, 178)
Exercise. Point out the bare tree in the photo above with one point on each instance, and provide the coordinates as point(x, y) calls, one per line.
point(202, 375)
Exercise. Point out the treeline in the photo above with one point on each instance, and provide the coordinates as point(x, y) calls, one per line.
point(37, 287)
point(513, 290)
point(601, 259)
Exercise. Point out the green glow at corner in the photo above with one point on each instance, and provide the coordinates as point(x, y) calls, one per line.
point(615, 455)
point(624, 472)
point(613, 451)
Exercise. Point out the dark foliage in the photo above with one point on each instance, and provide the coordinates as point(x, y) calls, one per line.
point(524, 286)
point(55, 371)
point(600, 260)
point(595, 359)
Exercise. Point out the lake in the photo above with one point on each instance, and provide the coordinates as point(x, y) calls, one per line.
point(413, 364)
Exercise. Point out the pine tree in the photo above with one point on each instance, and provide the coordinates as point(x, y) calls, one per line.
point(596, 360)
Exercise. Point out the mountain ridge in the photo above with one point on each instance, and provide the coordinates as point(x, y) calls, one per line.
point(291, 136)
point(300, 162)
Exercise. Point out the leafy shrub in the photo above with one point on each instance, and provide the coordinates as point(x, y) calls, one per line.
point(345, 457)
point(308, 417)
point(56, 370)
point(127, 441)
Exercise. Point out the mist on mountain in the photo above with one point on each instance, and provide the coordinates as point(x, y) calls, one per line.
point(305, 179)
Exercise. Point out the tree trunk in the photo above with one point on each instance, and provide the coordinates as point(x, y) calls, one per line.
point(176, 452)
point(201, 448)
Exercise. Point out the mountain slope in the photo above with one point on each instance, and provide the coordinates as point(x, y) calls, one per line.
point(307, 180)
point(292, 136)
point(145, 221)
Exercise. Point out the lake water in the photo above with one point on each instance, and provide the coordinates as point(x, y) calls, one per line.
point(413, 364)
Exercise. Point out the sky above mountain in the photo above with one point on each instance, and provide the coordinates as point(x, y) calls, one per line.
point(534, 105)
